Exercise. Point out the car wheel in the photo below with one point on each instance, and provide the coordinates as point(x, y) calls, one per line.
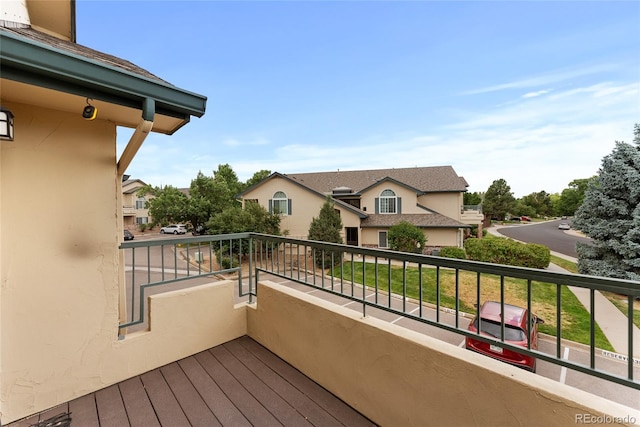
point(161, 231)
point(175, 232)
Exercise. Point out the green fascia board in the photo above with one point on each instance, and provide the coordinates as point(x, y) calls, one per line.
point(25, 60)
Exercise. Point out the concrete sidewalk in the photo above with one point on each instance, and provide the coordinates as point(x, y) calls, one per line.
point(611, 320)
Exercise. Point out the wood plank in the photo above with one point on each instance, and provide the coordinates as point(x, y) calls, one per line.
point(213, 396)
point(137, 404)
point(331, 403)
point(111, 410)
point(279, 407)
point(246, 403)
point(188, 397)
point(310, 410)
point(84, 411)
point(164, 402)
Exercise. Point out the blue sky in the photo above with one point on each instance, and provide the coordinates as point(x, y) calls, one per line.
point(535, 93)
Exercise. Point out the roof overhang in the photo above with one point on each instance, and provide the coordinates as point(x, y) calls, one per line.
point(39, 74)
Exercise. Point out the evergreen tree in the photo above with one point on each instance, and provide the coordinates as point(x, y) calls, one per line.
point(498, 200)
point(326, 228)
point(610, 216)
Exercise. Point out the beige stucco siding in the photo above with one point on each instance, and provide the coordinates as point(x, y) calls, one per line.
point(447, 204)
point(304, 205)
point(59, 238)
point(435, 236)
point(408, 196)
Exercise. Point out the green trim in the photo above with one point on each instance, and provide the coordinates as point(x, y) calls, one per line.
point(28, 61)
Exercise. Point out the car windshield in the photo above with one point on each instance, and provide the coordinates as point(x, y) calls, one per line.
point(511, 333)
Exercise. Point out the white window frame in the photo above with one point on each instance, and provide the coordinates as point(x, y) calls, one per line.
point(279, 201)
point(388, 202)
point(140, 202)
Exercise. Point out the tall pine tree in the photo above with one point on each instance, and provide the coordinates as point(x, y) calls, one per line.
point(326, 228)
point(610, 216)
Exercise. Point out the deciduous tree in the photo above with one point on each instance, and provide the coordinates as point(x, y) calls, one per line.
point(406, 237)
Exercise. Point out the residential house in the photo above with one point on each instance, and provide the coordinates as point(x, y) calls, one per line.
point(134, 207)
point(370, 202)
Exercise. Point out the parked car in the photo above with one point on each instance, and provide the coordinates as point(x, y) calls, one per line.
point(173, 229)
point(564, 226)
point(128, 235)
point(525, 218)
point(515, 218)
point(516, 332)
point(199, 230)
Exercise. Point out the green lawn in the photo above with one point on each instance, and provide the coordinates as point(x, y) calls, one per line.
point(618, 300)
point(575, 319)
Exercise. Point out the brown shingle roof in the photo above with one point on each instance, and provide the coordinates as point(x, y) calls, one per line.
point(431, 220)
point(423, 179)
point(82, 51)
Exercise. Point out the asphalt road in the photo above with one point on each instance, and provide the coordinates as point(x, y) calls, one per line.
point(546, 233)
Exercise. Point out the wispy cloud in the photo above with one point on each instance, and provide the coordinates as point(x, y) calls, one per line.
point(545, 79)
point(534, 94)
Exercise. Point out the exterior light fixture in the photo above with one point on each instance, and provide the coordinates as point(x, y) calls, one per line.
point(6, 125)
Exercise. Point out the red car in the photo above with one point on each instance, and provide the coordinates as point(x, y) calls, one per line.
point(516, 332)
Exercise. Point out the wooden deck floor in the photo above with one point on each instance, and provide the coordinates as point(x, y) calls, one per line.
point(239, 383)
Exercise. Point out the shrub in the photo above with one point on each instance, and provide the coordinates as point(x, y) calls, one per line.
point(142, 227)
point(406, 237)
point(453, 252)
point(508, 252)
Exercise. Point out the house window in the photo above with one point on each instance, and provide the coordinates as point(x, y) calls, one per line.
point(140, 203)
point(388, 202)
point(142, 220)
point(280, 204)
point(382, 239)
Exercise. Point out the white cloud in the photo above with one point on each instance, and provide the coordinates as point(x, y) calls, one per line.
point(534, 94)
point(545, 79)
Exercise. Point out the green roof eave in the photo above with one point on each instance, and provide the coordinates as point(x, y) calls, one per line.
point(28, 61)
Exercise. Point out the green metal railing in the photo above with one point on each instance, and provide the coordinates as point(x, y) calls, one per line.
point(386, 280)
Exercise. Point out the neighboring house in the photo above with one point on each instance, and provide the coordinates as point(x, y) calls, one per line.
point(62, 273)
point(370, 202)
point(134, 207)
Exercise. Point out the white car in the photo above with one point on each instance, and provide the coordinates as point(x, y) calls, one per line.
point(564, 226)
point(174, 229)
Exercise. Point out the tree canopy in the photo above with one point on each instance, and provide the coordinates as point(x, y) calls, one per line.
point(610, 215)
point(498, 200)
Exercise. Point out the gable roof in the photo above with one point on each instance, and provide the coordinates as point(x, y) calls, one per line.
point(431, 179)
point(339, 202)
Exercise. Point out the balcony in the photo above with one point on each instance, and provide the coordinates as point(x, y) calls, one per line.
point(471, 214)
point(392, 356)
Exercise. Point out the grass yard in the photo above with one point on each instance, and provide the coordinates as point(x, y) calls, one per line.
point(575, 319)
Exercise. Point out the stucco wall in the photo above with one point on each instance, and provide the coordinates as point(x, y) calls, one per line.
point(60, 268)
point(408, 197)
point(398, 377)
point(448, 204)
point(183, 323)
point(435, 237)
